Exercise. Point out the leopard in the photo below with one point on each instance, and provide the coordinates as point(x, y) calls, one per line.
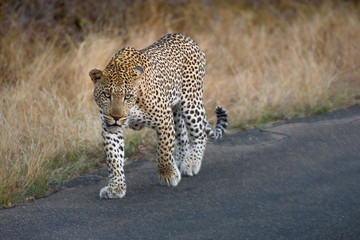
point(159, 87)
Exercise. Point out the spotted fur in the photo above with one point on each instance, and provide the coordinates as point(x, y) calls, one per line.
point(160, 87)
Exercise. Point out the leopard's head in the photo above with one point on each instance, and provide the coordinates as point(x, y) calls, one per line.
point(116, 87)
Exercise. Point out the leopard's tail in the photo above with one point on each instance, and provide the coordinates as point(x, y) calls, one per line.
point(221, 124)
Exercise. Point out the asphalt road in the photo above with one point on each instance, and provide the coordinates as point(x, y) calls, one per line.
point(293, 180)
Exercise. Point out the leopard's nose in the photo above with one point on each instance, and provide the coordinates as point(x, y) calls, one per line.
point(115, 118)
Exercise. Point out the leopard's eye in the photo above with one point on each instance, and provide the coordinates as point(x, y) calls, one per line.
point(107, 95)
point(127, 97)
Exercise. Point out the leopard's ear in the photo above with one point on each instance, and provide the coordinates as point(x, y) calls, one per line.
point(95, 74)
point(138, 71)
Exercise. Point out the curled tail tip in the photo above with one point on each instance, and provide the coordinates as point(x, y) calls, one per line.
point(220, 111)
point(222, 116)
point(221, 124)
point(219, 108)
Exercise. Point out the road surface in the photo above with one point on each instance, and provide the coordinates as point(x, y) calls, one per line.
point(294, 180)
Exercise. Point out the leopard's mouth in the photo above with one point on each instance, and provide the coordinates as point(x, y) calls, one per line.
point(113, 125)
point(116, 122)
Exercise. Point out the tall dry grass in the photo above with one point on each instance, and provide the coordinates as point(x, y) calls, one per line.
point(264, 62)
point(284, 70)
point(45, 114)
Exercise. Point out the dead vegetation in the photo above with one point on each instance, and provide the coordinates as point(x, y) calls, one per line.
point(265, 61)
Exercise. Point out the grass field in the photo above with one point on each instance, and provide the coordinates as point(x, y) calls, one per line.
point(266, 61)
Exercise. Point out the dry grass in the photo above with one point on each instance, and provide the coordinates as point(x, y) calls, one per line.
point(266, 72)
point(264, 62)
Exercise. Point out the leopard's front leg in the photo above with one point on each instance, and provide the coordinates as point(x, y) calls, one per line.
point(168, 172)
point(114, 148)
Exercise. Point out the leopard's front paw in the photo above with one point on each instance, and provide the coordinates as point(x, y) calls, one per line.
point(109, 192)
point(171, 178)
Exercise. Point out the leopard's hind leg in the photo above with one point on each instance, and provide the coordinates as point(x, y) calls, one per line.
point(181, 137)
point(193, 118)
